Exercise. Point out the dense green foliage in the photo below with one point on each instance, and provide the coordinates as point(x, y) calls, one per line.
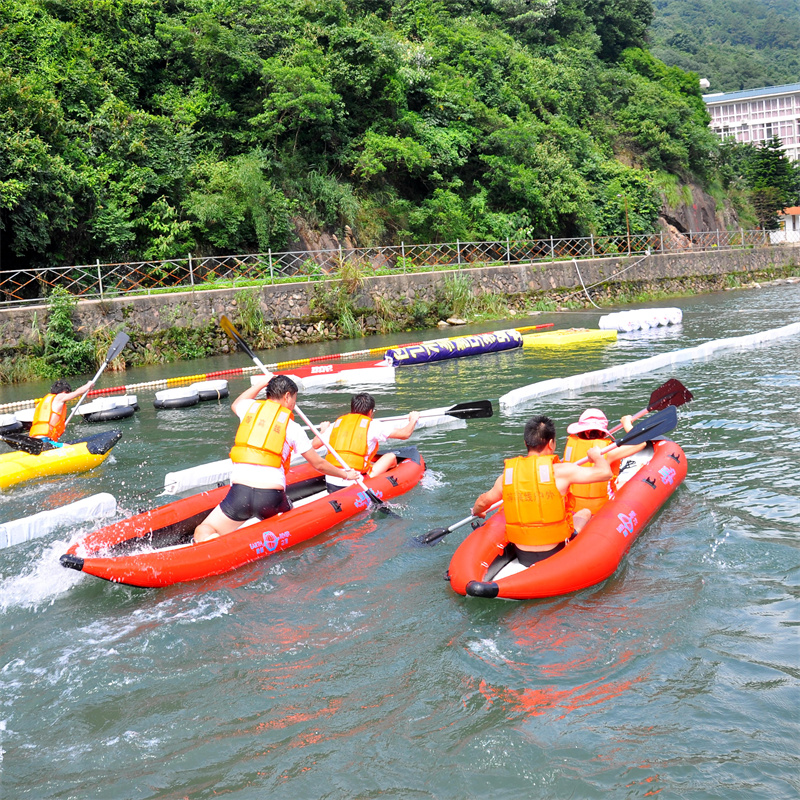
point(740, 44)
point(136, 129)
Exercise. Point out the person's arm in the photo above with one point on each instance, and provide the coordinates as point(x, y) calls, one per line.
point(249, 394)
point(406, 430)
point(326, 468)
point(488, 499)
point(62, 398)
point(317, 441)
point(618, 453)
point(568, 473)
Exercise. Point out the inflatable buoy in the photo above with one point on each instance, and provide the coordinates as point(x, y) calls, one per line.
point(9, 423)
point(106, 409)
point(176, 398)
point(640, 319)
point(211, 390)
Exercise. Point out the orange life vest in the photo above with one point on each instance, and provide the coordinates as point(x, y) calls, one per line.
point(590, 495)
point(261, 436)
point(47, 422)
point(349, 439)
point(536, 512)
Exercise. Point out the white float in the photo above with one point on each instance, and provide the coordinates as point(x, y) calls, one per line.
point(90, 508)
point(640, 319)
point(622, 371)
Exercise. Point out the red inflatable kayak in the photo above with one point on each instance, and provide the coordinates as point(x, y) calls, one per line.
point(485, 566)
point(155, 548)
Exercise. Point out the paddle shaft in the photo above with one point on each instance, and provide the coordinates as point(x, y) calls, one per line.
point(120, 340)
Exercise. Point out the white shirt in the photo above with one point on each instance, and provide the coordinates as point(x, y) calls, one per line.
point(260, 477)
point(376, 436)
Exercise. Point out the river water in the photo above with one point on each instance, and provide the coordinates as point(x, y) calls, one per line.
point(347, 668)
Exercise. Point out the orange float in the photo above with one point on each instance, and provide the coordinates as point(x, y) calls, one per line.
point(485, 566)
point(155, 548)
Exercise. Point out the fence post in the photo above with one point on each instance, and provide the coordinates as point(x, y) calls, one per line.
point(661, 237)
point(191, 271)
point(508, 251)
point(403, 254)
point(717, 238)
point(552, 250)
point(271, 274)
point(591, 236)
point(100, 278)
point(458, 252)
point(741, 237)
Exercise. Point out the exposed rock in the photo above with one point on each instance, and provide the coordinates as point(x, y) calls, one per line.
point(456, 321)
point(442, 324)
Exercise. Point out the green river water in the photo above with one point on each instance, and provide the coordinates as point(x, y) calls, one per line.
point(347, 667)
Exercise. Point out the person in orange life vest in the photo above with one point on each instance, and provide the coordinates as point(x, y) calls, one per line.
point(356, 437)
point(265, 440)
point(591, 430)
point(50, 416)
point(535, 490)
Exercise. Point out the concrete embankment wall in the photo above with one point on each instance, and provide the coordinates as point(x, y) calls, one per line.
point(293, 309)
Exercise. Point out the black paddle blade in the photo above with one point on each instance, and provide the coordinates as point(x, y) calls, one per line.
point(672, 393)
point(28, 444)
point(475, 409)
point(659, 424)
point(120, 340)
point(432, 537)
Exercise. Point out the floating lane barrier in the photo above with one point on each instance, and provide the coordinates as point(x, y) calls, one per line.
point(569, 337)
point(211, 390)
point(176, 398)
point(90, 508)
point(107, 409)
point(622, 371)
point(455, 347)
point(640, 319)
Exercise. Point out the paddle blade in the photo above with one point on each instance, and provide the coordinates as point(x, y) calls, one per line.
point(432, 537)
point(231, 331)
point(475, 409)
point(672, 393)
point(659, 424)
point(120, 340)
point(27, 444)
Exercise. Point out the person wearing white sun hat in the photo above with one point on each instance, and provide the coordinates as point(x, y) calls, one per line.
point(591, 430)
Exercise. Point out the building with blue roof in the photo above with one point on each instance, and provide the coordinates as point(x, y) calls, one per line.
point(756, 115)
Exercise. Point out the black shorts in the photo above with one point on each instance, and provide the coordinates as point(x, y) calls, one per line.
point(243, 502)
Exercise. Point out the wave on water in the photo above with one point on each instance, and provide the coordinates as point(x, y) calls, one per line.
point(42, 582)
point(432, 479)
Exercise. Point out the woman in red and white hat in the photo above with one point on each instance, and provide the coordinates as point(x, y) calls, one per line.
point(591, 430)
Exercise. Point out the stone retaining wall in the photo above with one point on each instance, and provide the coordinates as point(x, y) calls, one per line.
point(290, 308)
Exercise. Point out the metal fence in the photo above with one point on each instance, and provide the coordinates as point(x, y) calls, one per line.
point(106, 281)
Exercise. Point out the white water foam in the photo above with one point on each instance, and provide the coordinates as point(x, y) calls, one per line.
point(432, 479)
point(43, 581)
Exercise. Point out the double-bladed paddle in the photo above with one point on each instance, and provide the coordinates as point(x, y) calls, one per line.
point(231, 331)
point(672, 393)
point(27, 444)
point(661, 423)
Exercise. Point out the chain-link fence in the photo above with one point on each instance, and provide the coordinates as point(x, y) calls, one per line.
point(105, 281)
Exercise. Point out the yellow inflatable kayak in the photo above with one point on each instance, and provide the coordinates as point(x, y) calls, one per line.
point(18, 466)
point(568, 337)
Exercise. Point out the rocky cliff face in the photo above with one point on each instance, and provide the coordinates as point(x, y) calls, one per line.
point(700, 214)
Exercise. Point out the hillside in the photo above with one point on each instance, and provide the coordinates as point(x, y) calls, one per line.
point(136, 129)
point(737, 44)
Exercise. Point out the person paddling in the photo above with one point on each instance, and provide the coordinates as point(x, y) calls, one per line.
point(535, 490)
point(591, 430)
point(50, 415)
point(265, 440)
point(357, 436)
